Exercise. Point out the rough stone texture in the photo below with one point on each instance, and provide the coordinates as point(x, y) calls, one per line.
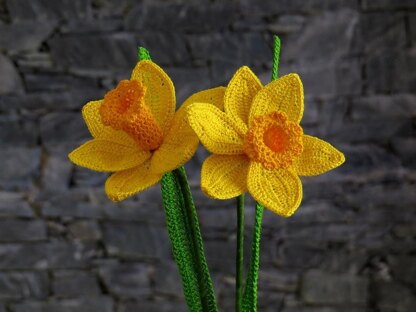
point(127, 281)
point(324, 288)
point(20, 285)
point(22, 230)
point(9, 76)
point(74, 283)
point(64, 247)
point(104, 304)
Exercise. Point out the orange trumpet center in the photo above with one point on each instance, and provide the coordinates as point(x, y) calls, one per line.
point(124, 109)
point(275, 138)
point(274, 141)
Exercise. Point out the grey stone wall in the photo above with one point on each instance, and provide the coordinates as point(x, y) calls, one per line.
point(65, 247)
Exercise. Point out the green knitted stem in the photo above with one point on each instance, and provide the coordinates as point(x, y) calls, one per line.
point(250, 292)
point(239, 256)
point(206, 291)
point(182, 247)
point(185, 236)
point(143, 54)
point(276, 56)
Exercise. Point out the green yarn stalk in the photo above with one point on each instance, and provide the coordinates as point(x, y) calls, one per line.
point(276, 56)
point(250, 292)
point(182, 248)
point(185, 236)
point(239, 256)
point(143, 54)
point(207, 293)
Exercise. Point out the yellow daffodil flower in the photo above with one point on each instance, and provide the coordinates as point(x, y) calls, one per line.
point(136, 132)
point(258, 143)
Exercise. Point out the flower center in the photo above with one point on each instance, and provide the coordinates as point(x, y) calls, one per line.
point(274, 141)
point(124, 109)
point(275, 138)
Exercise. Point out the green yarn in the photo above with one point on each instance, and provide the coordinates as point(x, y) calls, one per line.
point(239, 254)
point(276, 55)
point(185, 236)
point(187, 245)
point(206, 289)
point(143, 54)
point(182, 247)
point(250, 292)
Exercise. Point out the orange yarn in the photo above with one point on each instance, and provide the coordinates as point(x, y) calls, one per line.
point(274, 141)
point(124, 109)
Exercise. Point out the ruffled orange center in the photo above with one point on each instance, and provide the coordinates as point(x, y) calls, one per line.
point(124, 109)
point(274, 141)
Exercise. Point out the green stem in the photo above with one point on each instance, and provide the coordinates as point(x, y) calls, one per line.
point(143, 54)
point(250, 292)
point(204, 278)
point(239, 254)
point(177, 226)
point(276, 56)
point(185, 235)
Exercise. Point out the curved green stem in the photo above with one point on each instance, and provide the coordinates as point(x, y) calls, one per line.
point(207, 294)
point(250, 292)
point(239, 254)
point(185, 235)
point(182, 250)
point(276, 56)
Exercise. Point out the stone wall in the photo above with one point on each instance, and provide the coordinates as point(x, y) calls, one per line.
point(65, 247)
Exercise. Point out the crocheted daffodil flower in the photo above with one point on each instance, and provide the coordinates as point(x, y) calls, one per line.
point(258, 144)
point(137, 133)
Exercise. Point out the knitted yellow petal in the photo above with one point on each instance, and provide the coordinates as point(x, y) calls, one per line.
point(178, 147)
point(92, 117)
point(215, 129)
point(91, 114)
point(279, 190)
point(214, 96)
point(181, 142)
point(160, 92)
point(240, 94)
point(284, 95)
point(318, 157)
point(224, 176)
point(104, 155)
point(123, 184)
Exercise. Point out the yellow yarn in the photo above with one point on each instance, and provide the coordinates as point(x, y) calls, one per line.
point(136, 133)
point(258, 144)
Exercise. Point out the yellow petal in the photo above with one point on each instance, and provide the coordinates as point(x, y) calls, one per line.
point(103, 155)
point(240, 94)
point(91, 114)
point(278, 190)
point(123, 184)
point(215, 129)
point(224, 176)
point(178, 147)
point(318, 157)
point(92, 117)
point(284, 95)
point(160, 92)
point(181, 142)
point(214, 96)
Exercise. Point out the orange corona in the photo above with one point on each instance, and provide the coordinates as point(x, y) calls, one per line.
point(124, 109)
point(274, 141)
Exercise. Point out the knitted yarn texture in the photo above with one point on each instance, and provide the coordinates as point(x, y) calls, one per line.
point(137, 135)
point(258, 144)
